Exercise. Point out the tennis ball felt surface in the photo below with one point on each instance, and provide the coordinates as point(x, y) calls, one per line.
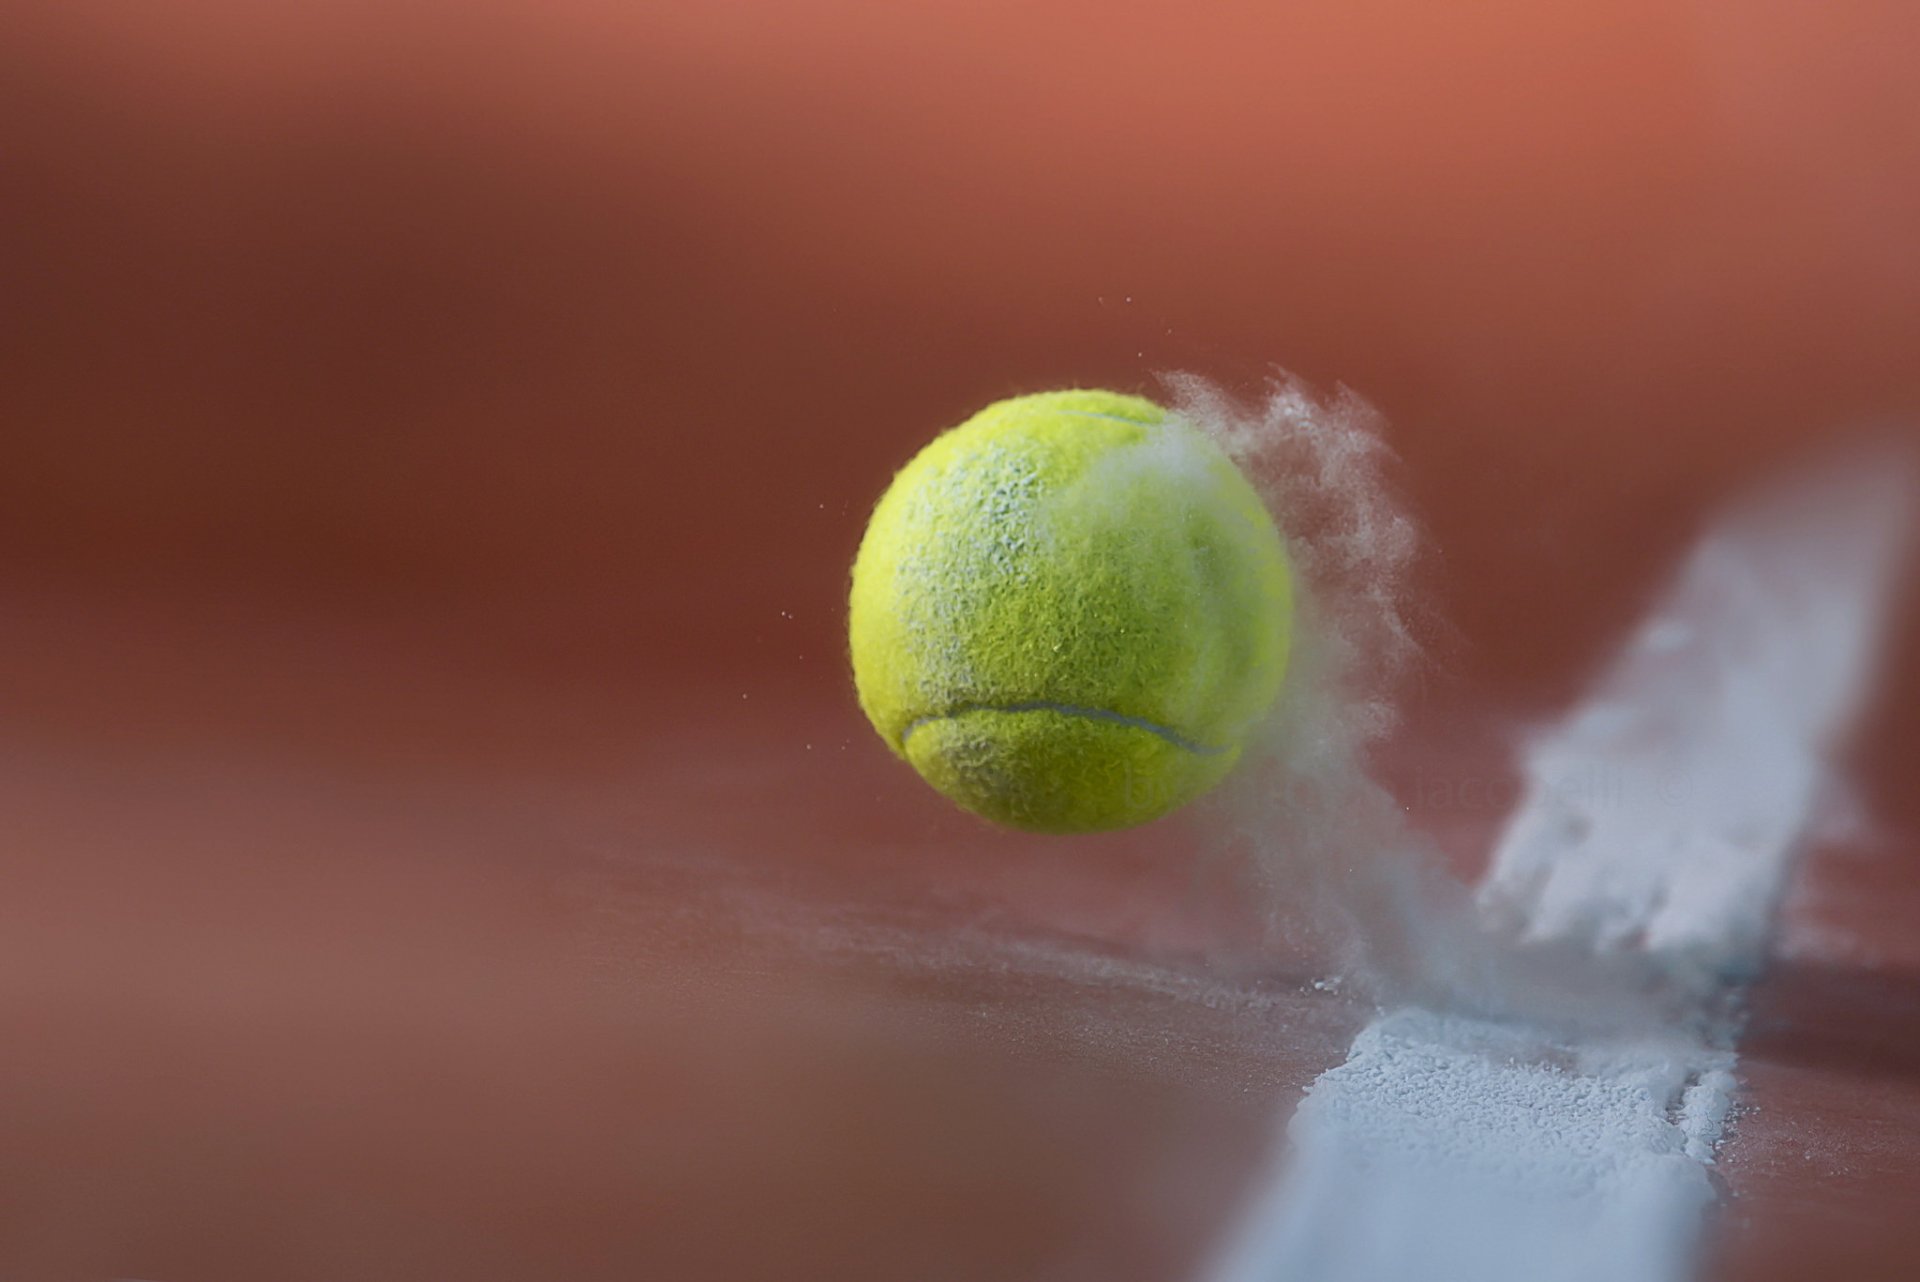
point(1069, 612)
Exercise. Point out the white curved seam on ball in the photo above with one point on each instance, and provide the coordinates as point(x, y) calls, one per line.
point(1172, 736)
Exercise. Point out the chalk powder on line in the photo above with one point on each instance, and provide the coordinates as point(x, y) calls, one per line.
point(1506, 1148)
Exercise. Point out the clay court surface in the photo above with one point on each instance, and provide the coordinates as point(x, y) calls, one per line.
point(439, 839)
point(327, 961)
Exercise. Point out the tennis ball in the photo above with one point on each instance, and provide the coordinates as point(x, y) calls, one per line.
point(1069, 612)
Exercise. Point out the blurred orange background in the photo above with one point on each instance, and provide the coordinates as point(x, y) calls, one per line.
point(608, 321)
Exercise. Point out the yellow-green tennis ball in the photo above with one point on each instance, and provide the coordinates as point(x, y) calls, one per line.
point(1069, 612)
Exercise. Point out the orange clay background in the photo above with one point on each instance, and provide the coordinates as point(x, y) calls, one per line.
point(403, 405)
point(602, 324)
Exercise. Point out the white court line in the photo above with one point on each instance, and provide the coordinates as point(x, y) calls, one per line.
point(1658, 827)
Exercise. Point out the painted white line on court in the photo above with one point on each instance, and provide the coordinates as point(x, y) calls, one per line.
point(1659, 824)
